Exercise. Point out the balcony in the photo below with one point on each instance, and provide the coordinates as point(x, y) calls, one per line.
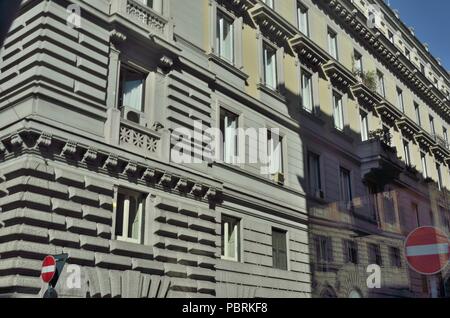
point(440, 149)
point(309, 51)
point(425, 140)
point(366, 95)
point(379, 160)
point(389, 113)
point(272, 25)
point(408, 127)
point(128, 12)
point(339, 75)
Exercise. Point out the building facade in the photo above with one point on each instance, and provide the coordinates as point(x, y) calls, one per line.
point(99, 96)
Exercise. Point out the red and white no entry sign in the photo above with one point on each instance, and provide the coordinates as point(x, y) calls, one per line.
point(427, 250)
point(48, 269)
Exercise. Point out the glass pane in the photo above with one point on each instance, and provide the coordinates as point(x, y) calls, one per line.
point(132, 89)
point(307, 92)
point(119, 214)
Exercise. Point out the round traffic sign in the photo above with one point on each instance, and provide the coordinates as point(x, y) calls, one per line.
point(48, 269)
point(427, 250)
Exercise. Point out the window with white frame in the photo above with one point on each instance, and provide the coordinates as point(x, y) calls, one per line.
point(129, 216)
point(432, 127)
point(303, 19)
point(345, 185)
point(417, 110)
point(275, 152)
point(225, 37)
point(338, 111)
point(364, 120)
point(400, 104)
point(132, 87)
point(380, 84)
point(228, 128)
point(156, 5)
point(423, 158)
point(406, 152)
point(230, 238)
point(279, 249)
point(439, 175)
point(307, 92)
point(315, 182)
point(270, 67)
point(391, 36)
point(358, 63)
point(269, 3)
point(332, 44)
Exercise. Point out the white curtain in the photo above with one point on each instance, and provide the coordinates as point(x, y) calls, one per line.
point(332, 45)
point(364, 127)
point(225, 38)
point(307, 92)
point(337, 113)
point(303, 20)
point(270, 68)
point(132, 94)
point(275, 155)
point(230, 144)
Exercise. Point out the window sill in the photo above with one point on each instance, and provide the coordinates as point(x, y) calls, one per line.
point(271, 92)
point(343, 134)
point(228, 66)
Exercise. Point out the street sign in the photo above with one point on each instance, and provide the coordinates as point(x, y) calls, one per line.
point(48, 269)
point(427, 250)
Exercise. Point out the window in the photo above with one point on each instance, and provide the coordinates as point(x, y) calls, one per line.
point(228, 128)
point(338, 112)
point(230, 238)
point(225, 37)
point(406, 152)
point(375, 254)
point(351, 252)
point(400, 104)
point(433, 129)
point(303, 23)
point(439, 175)
point(395, 257)
point(408, 54)
point(418, 118)
point(269, 3)
point(380, 84)
point(279, 249)
point(307, 92)
point(315, 182)
point(345, 186)
point(444, 132)
point(372, 190)
point(423, 158)
point(270, 67)
point(332, 44)
point(415, 209)
point(391, 36)
point(129, 216)
point(131, 89)
point(364, 119)
point(422, 68)
point(154, 4)
point(275, 153)
point(358, 63)
point(324, 251)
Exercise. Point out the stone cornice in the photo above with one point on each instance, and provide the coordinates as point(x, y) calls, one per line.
point(339, 75)
point(389, 112)
point(102, 161)
point(272, 25)
point(366, 96)
point(408, 127)
point(307, 49)
point(353, 19)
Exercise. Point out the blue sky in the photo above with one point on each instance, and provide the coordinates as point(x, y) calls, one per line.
point(431, 22)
